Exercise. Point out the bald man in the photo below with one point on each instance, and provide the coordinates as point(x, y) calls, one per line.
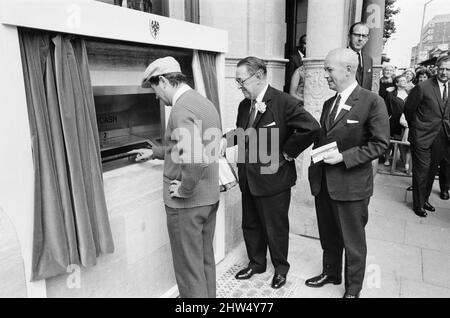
point(357, 120)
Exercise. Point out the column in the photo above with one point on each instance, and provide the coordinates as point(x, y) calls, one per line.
point(373, 15)
point(325, 31)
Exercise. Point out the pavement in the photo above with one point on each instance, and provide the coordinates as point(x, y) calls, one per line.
point(408, 256)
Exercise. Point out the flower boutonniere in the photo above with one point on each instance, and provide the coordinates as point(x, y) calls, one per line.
point(261, 107)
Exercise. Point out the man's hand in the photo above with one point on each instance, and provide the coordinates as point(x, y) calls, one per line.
point(222, 147)
point(173, 189)
point(333, 158)
point(143, 154)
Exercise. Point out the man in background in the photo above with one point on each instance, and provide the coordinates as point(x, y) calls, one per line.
point(295, 61)
point(427, 112)
point(357, 39)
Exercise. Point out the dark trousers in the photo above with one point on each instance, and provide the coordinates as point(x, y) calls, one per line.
point(444, 174)
point(265, 222)
point(425, 167)
point(341, 226)
point(191, 234)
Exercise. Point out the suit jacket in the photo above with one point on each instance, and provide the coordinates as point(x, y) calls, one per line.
point(365, 78)
point(292, 129)
point(426, 113)
point(295, 61)
point(199, 179)
point(361, 134)
point(395, 107)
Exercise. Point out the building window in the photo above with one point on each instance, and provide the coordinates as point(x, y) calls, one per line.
point(160, 7)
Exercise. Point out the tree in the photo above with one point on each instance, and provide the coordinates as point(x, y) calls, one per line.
point(389, 23)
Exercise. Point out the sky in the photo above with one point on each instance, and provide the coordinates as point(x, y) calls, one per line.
point(408, 23)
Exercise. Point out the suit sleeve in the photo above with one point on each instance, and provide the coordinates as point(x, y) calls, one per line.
point(378, 130)
point(158, 152)
point(189, 151)
point(305, 126)
point(232, 135)
point(412, 103)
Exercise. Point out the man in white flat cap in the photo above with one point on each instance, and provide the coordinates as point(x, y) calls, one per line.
point(191, 177)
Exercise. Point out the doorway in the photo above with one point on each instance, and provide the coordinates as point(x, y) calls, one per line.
point(296, 18)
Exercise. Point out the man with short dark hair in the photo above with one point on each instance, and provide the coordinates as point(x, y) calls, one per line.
point(276, 124)
point(427, 112)
point(191, 180)
point(295, 61)
point(357, 38)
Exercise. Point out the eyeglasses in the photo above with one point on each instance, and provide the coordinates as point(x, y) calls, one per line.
point(364, 36)
point(241, 83)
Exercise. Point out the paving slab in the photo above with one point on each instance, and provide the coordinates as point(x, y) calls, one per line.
point(427, 236)
point(399, 260)
point(419, 289)
point(386, 228)
point(436, 268)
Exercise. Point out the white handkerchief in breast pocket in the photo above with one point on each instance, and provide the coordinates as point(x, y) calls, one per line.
point(270, 125)
point(350, 121)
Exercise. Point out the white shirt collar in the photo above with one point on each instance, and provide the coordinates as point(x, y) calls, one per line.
point(181, 90)
point(260, 97)
point(301, 55)
point(345, 94)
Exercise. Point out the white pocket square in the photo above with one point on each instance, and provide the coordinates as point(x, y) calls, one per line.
point(270, 125)
point(349, 121)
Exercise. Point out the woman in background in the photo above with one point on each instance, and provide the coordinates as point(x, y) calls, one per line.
point(410, 75)
point(297, 87)
point(387, 80)
point(422, 75)
point(395, 103)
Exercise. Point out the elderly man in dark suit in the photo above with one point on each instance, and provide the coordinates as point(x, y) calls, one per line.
point(427, 112)
point(357, 38)
point(357, 120)
point(277, 129)
point(191, 180)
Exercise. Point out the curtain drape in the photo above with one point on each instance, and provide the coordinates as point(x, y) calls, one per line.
point(207, 61)
point(71, 224)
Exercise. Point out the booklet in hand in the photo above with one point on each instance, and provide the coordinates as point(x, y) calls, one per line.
point(318, 153)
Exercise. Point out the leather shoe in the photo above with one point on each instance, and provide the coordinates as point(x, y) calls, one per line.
point(444, 195)
point(248, 272)
point(278, 280)
point(427, 206)
point(422, 213)
point(348, 295)
point(322, 279)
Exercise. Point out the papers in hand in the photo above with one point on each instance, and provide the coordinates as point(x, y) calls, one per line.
point(318, 153)
point(227, 176)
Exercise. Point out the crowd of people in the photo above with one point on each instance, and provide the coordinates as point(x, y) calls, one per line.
point(272, 129)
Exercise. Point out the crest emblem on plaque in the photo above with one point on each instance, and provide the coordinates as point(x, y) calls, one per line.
point(154, 28)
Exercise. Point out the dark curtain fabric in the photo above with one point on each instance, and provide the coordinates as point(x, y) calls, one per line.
point(209, 73)
point(71, 224)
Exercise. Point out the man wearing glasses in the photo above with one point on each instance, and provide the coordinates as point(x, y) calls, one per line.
point(358, 37)
point(427, 111)
point(275, 124)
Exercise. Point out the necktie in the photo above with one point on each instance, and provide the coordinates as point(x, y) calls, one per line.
point(334, 111)
point(445, 94)
point(360, 68)
point(252, 112)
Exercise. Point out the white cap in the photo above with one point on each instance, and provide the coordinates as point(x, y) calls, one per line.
point(159, 67)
